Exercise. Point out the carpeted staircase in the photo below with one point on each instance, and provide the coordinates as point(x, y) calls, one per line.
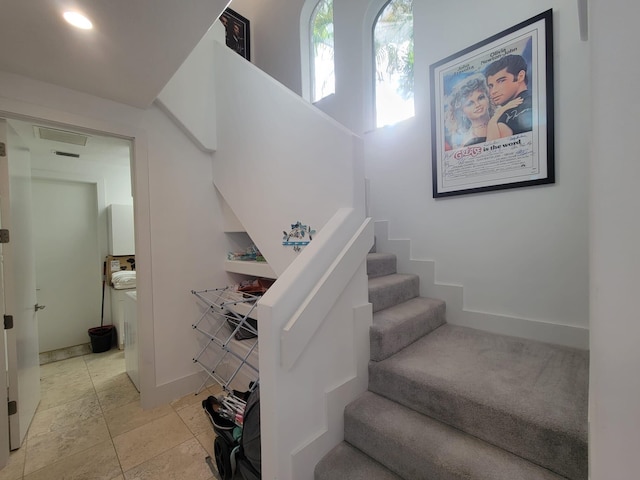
point(449, 402)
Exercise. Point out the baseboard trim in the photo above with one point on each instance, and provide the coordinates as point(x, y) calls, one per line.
point(65, 353)
point(174, 390)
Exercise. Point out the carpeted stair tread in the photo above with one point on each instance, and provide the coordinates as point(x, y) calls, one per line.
point(390, 290)
point(349, 463)
point(527, 397)
point(380, 264)
point(417, 447)
point(400, 325)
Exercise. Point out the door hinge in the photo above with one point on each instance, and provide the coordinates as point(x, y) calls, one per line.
point(8, 322)
point(13, 407)
point(4, 235)
point(3, 149)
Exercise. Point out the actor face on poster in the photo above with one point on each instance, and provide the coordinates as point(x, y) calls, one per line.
point(507, 84)
point(468, 112)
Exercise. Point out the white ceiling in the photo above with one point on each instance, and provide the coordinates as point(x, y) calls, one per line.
point(98, 149)
point(133, 50)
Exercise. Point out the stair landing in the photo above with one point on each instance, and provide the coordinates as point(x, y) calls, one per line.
point(496, 387)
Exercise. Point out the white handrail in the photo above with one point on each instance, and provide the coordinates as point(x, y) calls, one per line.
point(298, 332)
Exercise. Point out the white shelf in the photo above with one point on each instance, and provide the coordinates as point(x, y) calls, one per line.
point(257, 269)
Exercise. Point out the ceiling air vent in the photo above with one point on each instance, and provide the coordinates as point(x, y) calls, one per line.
point(63, 136)
point(65, 154)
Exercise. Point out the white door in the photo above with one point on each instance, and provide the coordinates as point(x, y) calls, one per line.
point(4, 414)
point(68, 261)
point(19, 284)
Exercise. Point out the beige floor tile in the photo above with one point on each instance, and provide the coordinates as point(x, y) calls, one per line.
point(65, 416)
point(47, 448)
point(117, 392)
point(15, 467)
point(63, 367)
point(215, 390)
point(116, 380)
point(89, 426)
point(127, 417)
point(195, 418)
point(96, 463)
point(75, 374)
point(66, 382)
point(185, 461)
point(206, 439)
point(101, 376)
point(65, 390)
point(145, 442)
point(104, 357)
point(190, 399)
point(112, 364)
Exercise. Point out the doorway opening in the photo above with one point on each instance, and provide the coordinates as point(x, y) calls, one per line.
point(76, 177)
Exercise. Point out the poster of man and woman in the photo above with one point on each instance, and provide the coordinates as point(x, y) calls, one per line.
point(492, 112)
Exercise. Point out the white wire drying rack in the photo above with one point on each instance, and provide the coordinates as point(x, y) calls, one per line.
point(227, 316)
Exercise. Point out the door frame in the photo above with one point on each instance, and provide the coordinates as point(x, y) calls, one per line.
point(20, 110)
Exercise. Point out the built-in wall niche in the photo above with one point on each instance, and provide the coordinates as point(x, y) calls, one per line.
point(240, 241)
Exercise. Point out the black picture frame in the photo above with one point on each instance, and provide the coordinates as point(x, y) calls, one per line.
point(237, 32)
point(481, 140)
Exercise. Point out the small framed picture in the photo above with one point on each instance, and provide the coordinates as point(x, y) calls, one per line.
point(492, 112)
point(237, 33)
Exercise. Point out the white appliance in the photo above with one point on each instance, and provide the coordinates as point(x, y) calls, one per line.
point(120, 229)
point(117, 312)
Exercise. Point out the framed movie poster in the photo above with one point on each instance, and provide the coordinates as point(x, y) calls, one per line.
point(492, 112)
point(237, 32)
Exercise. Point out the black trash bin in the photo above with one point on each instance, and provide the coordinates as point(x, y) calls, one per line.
point(101, 338)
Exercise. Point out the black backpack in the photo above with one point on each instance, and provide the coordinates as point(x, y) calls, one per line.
point(250, 457)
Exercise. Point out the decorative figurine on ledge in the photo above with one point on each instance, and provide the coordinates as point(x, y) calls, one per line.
point(299, 233)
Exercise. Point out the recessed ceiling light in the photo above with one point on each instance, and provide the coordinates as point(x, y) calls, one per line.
point(78, 20)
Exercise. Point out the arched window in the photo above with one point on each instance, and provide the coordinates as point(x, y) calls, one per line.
point(323, 82)
point(393, 62)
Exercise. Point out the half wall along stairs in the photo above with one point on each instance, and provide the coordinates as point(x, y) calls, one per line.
point(450, 402)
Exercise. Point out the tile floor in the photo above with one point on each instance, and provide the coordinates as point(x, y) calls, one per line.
point(89, 426)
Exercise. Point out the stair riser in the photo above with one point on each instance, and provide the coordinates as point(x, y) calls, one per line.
point(557, 451)
point(381, 265)
point(348, 463)
point(419, 448)
point(393, 293)
point(387, 341)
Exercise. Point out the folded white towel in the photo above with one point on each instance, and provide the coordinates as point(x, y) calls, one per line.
point(124, 279)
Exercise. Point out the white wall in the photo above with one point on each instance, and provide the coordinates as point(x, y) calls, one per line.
point(115, 175)
point(188, 97)
point(520, 253)
point(614, 239)
point(179, 245)
point(109, 171)
point(275, 38)
point(278, 161)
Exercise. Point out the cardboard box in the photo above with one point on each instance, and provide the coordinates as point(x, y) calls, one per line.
point(119, 262)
